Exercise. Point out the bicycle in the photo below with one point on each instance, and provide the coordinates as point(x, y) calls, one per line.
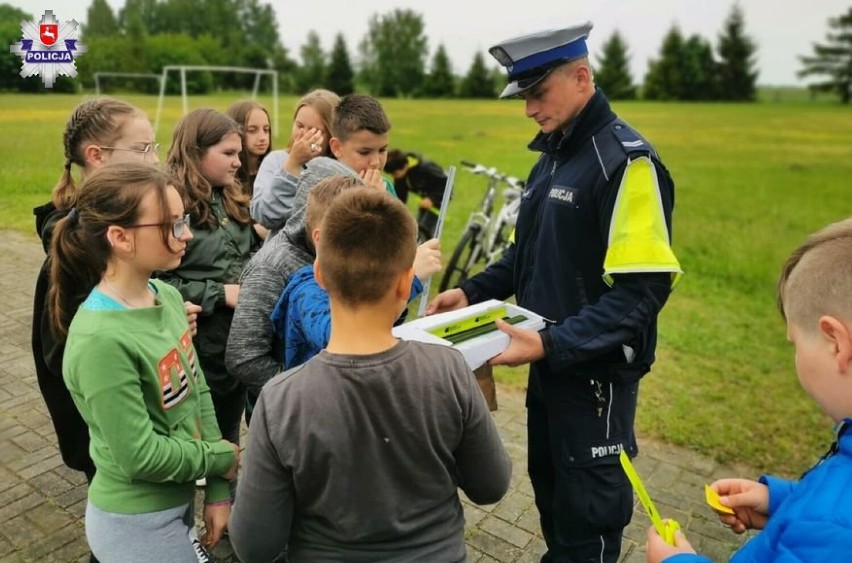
point(485, 237)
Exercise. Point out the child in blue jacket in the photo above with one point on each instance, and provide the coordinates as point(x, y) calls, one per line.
point(809, 519)
point(302, 318)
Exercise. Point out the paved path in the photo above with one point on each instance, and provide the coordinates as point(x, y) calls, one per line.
point(42, 502)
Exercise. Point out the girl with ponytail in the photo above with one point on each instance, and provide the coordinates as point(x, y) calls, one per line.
point(98, 131)
point(132, 370)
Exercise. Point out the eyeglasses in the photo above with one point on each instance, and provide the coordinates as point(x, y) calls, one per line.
point(149, 148)
point(178, 225)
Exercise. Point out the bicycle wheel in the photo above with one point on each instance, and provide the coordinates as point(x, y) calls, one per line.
point(465, 255)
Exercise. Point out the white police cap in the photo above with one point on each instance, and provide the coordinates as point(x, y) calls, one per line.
point(530, 58)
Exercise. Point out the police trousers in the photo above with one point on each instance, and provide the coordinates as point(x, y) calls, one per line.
point(576, 428)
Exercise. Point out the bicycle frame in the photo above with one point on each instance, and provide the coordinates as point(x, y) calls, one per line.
point(485, 236)
point(498, 231)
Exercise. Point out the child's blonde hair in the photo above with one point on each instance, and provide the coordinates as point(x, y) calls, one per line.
point(816, 280)
point(321, 195)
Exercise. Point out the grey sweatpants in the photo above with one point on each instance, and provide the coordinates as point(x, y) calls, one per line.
point(130, 538)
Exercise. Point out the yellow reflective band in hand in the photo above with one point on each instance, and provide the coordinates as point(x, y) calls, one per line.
point(638, 237)
point(712, 498)
point(666, 528)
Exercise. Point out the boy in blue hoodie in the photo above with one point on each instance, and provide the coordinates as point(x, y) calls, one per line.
point(809, 519)
point(301, 318)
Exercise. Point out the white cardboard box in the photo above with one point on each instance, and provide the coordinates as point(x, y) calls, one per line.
point(477, 350)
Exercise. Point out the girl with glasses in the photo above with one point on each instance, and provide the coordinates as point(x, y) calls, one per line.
point(97, 132)
point(131, 368)
point(204, 157)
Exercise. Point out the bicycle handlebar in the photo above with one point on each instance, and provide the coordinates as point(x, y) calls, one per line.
point(492, 173)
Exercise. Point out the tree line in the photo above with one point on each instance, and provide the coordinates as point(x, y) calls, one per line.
point(686, 68)
point(392, 59)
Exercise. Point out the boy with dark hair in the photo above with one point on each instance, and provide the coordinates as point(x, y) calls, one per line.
point(413, 173)
point(359, 138)
point(359, 142)
point(809, 519)
point(357, 454)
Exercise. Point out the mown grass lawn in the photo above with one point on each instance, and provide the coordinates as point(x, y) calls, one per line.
point(752, 182)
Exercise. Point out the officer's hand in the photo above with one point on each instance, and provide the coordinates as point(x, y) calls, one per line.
point(525, 346)
point(449, 300)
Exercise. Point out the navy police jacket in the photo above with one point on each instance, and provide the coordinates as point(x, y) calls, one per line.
point(592, 248)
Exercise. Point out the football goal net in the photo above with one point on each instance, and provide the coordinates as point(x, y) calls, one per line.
point(182, 70)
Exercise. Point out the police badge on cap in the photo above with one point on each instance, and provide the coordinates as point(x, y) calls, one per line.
point(530, 58)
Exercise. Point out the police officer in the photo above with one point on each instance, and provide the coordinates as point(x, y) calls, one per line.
point(592, 252)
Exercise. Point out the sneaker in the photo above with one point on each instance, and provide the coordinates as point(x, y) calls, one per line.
point(202, 554)
point(201, 482)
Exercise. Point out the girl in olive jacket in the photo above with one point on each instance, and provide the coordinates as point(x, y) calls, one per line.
point(204, 158)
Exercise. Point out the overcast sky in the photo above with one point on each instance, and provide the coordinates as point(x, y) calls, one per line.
point(782, 29)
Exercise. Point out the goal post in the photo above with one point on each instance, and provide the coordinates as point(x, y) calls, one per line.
point(183, 69)
point(97, 76)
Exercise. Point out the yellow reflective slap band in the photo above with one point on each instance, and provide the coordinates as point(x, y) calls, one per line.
point(666, 529)
point(638, 237)
point(712, 498)
point(468, 323)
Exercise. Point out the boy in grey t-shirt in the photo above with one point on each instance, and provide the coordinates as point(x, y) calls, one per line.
point(358, 454)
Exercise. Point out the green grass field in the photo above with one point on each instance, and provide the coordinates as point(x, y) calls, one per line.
point(752, 182)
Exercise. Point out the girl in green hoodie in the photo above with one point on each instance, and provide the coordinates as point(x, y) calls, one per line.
point(132, 370)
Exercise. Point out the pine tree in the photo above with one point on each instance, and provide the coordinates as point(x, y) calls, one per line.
point(833, 59)
point(312, 72)
point(737, 75)
point(440, 82)
point(700, 70)
point(613, 72)
point(665, 77)
point(478, 82)
point(339, 77)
